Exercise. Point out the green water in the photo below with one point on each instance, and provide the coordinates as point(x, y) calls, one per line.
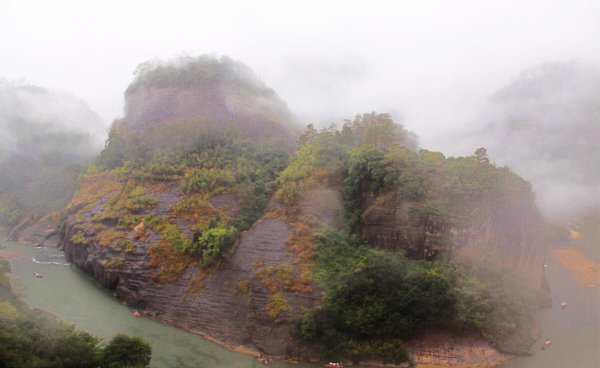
point(76, 298)
point(574, 331)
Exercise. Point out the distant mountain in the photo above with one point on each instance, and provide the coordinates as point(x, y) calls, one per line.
point(546, 124)
point(41, 133)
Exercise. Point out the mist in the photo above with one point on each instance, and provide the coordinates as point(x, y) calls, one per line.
point(434, 68)
point(545, 124)
point(45, 136)
point(38, 122)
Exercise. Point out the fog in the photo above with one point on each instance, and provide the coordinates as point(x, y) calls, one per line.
point(545, 125)
point(36, 121)
point(437, 68)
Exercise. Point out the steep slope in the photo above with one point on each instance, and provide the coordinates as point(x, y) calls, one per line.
point(497, 222)
point(243, 303)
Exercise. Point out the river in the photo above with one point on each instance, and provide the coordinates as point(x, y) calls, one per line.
point(77, 298)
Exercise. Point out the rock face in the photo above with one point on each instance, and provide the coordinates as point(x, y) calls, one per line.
point(42, 233)
point(509, 236)
point(232, 304)
point(445, 350)
point(203, 96)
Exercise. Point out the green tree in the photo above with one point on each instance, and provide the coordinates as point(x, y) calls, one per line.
point(309, 136)
point(114, 150)
point(126, 351)
point(481, 156)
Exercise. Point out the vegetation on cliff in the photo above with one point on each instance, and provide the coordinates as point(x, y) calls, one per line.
point(29, 338)
point(374, 298)
point(192, 230)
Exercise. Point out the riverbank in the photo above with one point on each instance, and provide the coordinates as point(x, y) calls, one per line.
point(583, 269)
point(441, 349)
point(11, 254)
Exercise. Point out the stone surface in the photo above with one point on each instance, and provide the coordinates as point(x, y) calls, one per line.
point(220, 310)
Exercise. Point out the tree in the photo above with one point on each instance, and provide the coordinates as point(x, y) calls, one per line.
point(113, 153)
point(309, 136)
point(126, 351)
point(481, 156)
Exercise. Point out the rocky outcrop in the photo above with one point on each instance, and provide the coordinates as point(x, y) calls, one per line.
point(509, 236)
point(42, 233)
point(230, 305)
point(173, 105)
point(442, 349)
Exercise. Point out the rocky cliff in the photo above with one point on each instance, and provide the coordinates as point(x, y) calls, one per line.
point(120, 224)
point(244, 303)
point(171, 104)
point(509, 235)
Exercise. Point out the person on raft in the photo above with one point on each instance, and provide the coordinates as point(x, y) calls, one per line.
point(38, 275)
point(264, 359)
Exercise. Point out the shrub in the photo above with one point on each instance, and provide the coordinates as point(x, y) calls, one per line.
point(79, 238)
point(214, 243)
point(277, 304)
point(175, 237)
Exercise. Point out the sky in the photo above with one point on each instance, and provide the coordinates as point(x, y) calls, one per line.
point(429, 63)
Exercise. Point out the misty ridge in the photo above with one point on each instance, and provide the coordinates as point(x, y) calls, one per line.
point(45, 137)
point(545, 125)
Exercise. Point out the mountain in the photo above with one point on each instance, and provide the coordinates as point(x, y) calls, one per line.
point(200, 214)
point(544, 124)
point(170, 105)
point(46, 136)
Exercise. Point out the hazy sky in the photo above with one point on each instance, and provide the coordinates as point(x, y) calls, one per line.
point(431, 62)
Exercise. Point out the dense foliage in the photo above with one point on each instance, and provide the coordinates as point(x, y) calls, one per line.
point(28, 338)
point(376, 298)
